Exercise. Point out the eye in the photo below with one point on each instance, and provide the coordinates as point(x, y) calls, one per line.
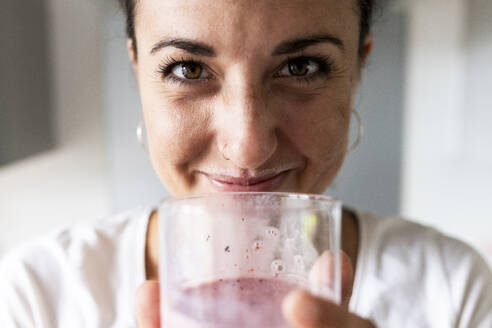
point(188, 70)
point(183, 70)
point(299, 67)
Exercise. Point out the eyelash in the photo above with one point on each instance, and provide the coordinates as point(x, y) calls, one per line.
point(165, 70)
point(326, 67)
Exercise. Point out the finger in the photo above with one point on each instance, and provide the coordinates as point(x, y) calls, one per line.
point(147, 305)
point(303, 310)
point(323, 273)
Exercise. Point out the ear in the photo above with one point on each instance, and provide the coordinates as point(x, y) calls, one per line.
point(366, 49)
point(133, 56)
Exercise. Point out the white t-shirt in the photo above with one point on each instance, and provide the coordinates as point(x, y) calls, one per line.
point(407, 275)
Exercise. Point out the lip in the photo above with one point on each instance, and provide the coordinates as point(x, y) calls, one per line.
point(223, 183)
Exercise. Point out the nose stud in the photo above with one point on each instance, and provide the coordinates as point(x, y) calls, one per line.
point(223, 153)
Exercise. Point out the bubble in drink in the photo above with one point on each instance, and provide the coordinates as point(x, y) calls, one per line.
point(272, 232)
point(277, 267)
point(231, 303)
point(258, 244)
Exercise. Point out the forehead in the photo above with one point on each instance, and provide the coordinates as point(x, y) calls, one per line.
point(244, 23)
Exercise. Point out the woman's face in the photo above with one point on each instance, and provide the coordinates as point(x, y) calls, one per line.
point(243, 95)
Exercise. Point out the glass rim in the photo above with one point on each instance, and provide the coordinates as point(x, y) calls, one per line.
point(288, 195)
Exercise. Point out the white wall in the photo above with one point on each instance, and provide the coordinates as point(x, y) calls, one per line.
point(447, 158)
point(69, 183)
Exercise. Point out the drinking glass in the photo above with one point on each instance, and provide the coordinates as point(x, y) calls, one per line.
point(228, 259)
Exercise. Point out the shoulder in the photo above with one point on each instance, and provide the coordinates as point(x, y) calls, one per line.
point(70, 268)
point(65, 242)
point(411, 242)
point(424, 266)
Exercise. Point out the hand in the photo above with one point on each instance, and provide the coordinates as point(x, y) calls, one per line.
point(147, 304)
point(301, 309)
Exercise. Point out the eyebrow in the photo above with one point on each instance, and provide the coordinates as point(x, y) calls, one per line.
point(296, 45)
point(191, 46)
point(285, 47)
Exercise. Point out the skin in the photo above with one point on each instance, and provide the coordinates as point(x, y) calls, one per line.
point(247, 115)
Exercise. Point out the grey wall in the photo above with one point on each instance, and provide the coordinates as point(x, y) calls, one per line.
point(370, 176)
point(131, 178)
point(478, 80)
point(25, 94)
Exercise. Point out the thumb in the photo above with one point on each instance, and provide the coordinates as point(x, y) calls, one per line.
point(323, 273)
point(147, 305)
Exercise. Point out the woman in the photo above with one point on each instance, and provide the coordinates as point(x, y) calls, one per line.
point(247, 97)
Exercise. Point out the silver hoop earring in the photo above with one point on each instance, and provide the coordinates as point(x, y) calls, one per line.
point(139, 132)
point(360, 132)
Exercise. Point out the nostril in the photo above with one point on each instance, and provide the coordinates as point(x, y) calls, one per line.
point(246, 142)
point(253, 151)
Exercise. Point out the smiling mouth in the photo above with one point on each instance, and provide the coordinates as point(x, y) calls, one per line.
point(226, 183)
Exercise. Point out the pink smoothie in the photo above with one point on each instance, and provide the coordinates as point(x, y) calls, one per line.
point(238, 303)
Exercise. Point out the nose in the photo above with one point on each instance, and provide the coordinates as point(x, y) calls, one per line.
point(247, 133)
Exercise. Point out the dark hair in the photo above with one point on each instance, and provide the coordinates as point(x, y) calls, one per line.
point(366, 14)
point(129, 8)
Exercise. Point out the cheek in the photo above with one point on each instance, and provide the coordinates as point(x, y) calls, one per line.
point(319, 128)
point(320, 133)
point(177, 134)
